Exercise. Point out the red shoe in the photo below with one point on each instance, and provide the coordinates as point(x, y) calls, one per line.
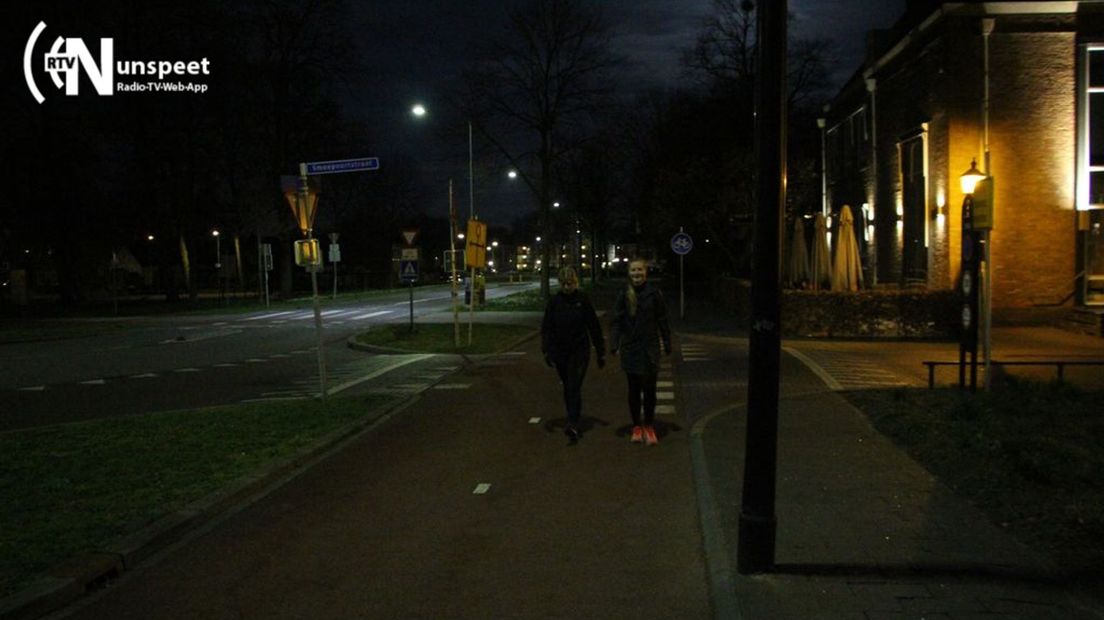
point(637, 434)
point(650, 436)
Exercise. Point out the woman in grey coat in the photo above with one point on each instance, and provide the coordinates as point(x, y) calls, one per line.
point(638, 326)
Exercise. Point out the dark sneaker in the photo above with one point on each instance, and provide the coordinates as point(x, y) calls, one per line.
point(650, 436)
point(572, 433)
point(637, 434)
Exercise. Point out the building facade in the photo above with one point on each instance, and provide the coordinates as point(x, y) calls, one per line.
point(1017, 87)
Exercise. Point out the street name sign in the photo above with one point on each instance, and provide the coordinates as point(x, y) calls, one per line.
point(341, 165)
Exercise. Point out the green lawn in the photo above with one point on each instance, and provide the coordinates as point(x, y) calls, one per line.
point(1029, 454)
point(71, 488)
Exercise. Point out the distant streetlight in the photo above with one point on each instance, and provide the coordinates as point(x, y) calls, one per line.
point(218, 249)
point(512, 174)
point(419, 110)
point(149, 237)
point(555, 205)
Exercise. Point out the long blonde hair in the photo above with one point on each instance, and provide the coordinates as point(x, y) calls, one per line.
point(630, 292)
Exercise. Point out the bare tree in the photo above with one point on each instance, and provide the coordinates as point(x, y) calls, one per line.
point(533, 95)
point(724, 55)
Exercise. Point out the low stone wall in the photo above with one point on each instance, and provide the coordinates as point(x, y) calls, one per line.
point(881, 313)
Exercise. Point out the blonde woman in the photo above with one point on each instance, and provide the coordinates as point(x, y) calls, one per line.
point(638, 326)
point(569, 328)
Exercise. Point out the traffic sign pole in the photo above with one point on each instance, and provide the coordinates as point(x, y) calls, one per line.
point(314, 293)
point(681, 244)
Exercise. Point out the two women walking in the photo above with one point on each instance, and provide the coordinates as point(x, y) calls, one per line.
point(638, 326)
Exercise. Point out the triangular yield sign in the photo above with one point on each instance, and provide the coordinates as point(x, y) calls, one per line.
point(409, 236)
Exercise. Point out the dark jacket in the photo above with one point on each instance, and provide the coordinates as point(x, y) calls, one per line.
point(569, 327)
point(638, 337)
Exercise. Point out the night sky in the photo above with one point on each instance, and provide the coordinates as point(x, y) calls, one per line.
point(415, 50)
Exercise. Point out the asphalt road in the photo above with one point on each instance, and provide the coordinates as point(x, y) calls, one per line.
point(184, 361)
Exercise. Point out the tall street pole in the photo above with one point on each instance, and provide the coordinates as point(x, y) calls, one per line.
point(303, 195)
point(755, 550)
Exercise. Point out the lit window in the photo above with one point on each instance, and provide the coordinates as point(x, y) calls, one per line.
point(1090, 184)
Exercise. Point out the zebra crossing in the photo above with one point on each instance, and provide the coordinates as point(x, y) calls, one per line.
point(338, 316)
point(847, 370)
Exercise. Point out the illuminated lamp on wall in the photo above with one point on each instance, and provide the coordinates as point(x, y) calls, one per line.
point(971, 178)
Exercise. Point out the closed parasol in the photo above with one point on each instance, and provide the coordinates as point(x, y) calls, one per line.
point(797, 267)
point(821, 259)
point(847, 268)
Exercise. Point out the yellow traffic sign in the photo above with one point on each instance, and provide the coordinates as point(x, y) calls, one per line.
point(475, 253)
point(308, 252)
point(302, 211)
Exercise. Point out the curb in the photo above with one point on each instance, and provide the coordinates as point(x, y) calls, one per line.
point(717, 559)
point(76, 577)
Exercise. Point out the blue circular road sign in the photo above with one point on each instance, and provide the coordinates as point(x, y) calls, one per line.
point(681, 244)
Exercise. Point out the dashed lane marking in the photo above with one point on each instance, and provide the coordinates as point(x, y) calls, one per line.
point(481, 488)
point(186, 370)
point(452, 386)
point(33, 388)
point(145, 375)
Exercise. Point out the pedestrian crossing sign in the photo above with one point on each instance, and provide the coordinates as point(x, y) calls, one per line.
point(408, 271)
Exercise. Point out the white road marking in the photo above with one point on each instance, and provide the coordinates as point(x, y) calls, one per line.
point(665, 409)
point(401, 362)
point(452, 386)
point(370, 315)
point(665, 384)
point(481, 488)
point(34, 388)
point(145, 375)
point(665, 396)
point(186, 370)
point(534, 420)
point(94, 382)
point(267, 316)
point(255, 360)
point(226, 365)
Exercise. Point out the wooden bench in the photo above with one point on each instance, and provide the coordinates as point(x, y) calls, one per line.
point(1060, 364)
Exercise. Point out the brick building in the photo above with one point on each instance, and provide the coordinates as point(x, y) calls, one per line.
point(1016, 86)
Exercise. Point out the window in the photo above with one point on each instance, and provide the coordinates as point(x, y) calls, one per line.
point(1090, 164)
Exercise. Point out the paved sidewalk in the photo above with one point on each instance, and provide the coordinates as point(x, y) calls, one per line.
point(863, 530)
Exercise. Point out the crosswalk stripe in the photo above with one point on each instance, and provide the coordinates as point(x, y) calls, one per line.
point(370, 315)
point(665, 409)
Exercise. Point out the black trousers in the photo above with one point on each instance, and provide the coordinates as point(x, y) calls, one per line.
point(642, 385)
point(572, 371)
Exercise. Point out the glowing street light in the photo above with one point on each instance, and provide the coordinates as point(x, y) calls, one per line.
point(418, 110)
point(512, 174)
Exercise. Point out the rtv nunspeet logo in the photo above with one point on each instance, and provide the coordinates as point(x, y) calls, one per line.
point(67, 56)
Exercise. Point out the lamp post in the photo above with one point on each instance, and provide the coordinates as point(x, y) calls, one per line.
point(971, 251)
point(218, 250)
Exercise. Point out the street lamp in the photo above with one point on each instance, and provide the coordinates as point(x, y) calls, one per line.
point(512, 174)
point(218, 249)
point(971, 178)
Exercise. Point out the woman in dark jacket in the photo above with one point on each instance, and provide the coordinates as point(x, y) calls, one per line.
point(639, 324)
point(568, 329)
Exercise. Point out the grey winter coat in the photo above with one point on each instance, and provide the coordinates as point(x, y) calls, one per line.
point(637, 338)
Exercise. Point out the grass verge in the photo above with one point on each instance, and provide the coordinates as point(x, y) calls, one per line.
point(439, 337)
point(1028, 454)
point(73, 488)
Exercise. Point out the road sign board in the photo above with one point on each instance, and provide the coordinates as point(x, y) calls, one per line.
point(475, 253)
point(409, 254)
point(335, 253)
point(409, 235)
point(342, 165)
point(681, 244)
point(408, 270)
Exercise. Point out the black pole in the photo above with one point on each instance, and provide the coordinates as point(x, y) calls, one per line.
point(755, 551)
point(411, 306)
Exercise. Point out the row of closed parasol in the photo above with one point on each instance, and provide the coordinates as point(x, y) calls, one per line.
point(842, 272)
